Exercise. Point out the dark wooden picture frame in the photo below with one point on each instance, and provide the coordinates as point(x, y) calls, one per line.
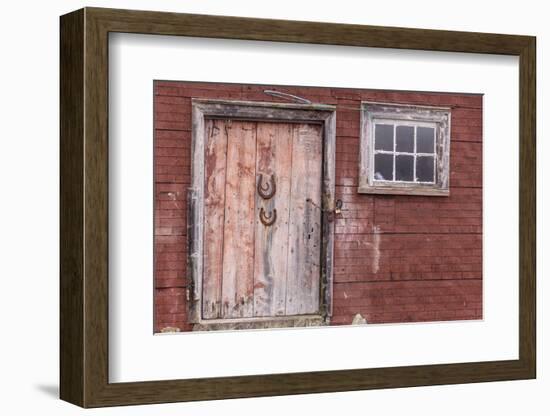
point(84, 207)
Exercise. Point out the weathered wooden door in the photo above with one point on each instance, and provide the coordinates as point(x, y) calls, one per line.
point(262, 219)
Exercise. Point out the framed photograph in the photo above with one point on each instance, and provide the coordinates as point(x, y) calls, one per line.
point(255, 207)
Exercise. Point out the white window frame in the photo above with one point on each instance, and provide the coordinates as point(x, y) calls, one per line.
point(439, 118)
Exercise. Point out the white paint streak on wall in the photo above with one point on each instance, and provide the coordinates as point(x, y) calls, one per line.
point(376, 249)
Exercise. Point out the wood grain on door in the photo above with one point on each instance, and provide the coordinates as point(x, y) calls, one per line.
point(255, 268)
point(274, 146)
point(304, 238)
point(214, 206)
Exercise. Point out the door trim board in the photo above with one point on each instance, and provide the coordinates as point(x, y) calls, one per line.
point(262, 112)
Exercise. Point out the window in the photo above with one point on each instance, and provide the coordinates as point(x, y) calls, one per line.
point(404, 152)
point(404, 149)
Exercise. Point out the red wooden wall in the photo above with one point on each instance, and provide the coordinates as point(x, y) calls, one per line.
point(397, 258)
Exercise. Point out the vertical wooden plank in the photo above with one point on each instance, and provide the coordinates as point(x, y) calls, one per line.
point(71, 218)
point(238, 234)
point(196, 215)
point(528, 209)
point(273, 159)
point(214, 210)
point(304, 239)
point(96, 209)
point(329, 179)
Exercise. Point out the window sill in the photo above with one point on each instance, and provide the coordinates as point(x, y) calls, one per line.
point(392, 190)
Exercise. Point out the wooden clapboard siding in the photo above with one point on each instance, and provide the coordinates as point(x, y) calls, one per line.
point(304, 239)
point(388, 246)
point(214, 210)
point(274, 151)
point(238, 233)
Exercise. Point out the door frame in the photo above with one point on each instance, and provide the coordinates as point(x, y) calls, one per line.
point(203, 109)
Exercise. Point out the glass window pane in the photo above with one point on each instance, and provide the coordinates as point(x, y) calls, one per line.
point(404, 165)
point(425, 168)
point(383, 167)
point(425, 139)
point(404, 139)
point(383, 137)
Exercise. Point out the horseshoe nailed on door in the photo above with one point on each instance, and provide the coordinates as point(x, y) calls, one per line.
point(268, 219)
point(267, 190)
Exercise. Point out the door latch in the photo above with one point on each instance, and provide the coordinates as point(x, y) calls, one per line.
point(333, 208)
point(335, 211)
point(338, 206)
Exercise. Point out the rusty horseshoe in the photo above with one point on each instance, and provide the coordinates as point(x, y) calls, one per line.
point(268, 219)
point(267, 190)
